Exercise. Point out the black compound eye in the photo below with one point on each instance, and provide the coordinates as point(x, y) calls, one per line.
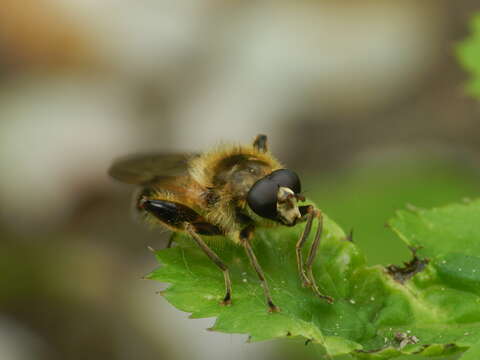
point(286, 178)
point(262, 198)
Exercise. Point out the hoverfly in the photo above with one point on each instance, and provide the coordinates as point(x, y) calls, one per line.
point(228, 191)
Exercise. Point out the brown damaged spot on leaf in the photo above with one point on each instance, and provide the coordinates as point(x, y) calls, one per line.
point(405, 339)
point(410, 268)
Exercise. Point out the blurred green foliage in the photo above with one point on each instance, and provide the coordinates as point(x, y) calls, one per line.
point(365, 198)
point(473, 353)
point(469, 55)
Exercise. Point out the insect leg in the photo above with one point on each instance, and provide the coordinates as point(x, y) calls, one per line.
point(245, 236)
point(309, 212)
point(227, 300)
point(311, 257)
point(260, 143)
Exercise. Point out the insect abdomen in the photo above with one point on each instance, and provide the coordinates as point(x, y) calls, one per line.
point(175, 215)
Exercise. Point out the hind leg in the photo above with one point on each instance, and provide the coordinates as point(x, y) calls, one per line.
point(179, 217)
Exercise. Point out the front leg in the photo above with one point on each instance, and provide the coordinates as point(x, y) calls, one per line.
point(306, 273)
point(308, 213)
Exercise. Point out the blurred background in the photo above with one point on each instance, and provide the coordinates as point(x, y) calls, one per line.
point(364, 99)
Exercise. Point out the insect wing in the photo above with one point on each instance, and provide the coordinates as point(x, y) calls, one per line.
point(144, 169)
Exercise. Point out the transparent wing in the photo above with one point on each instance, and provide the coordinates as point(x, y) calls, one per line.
point(147, 168)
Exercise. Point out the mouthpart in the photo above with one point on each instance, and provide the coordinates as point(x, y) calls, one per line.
point(287, 207)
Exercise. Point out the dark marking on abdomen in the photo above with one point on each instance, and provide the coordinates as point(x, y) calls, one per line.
point(176, 215)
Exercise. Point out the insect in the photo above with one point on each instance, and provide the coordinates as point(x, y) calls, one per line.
point(228, 191)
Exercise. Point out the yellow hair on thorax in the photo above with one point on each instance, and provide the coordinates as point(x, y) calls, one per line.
point(202, 169)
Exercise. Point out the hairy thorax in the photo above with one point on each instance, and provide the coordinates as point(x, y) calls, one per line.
point(235, 175)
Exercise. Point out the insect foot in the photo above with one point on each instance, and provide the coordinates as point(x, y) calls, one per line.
point(327, 298)
point(272, 308)
point(227, 301)
point(316, 291)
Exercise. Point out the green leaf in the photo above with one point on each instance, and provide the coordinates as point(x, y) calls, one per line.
point(450, 237)
point(435, 312)
point(469, 55)
point(440, 231)
point(364, 197)
point(473, 353)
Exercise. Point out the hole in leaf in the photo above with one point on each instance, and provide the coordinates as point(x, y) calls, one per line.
point(410, 268)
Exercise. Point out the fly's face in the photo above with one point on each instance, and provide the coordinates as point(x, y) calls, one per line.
point(287, 207)
point(276, 197)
